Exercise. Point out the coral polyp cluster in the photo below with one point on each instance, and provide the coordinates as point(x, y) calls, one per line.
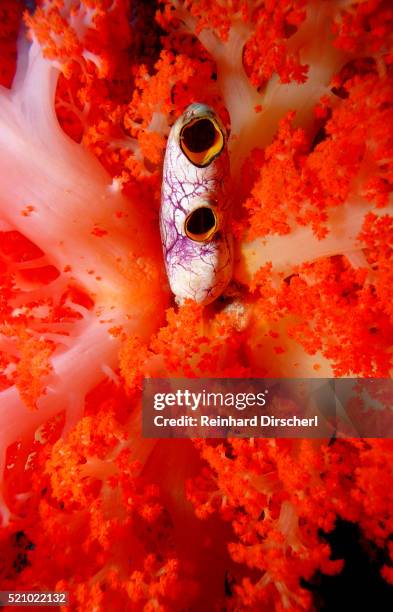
point(89, 92)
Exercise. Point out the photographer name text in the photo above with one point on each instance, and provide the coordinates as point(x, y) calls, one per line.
point(262, 420)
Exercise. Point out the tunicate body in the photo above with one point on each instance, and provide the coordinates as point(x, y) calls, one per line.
point(195, 207)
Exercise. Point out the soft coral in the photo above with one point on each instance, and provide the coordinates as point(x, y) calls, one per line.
point(82, 276)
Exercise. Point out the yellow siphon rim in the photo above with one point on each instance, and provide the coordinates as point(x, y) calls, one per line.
point(192, 140)
point(197, 220)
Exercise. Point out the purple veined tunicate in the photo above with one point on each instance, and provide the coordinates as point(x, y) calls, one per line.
point(195, 206)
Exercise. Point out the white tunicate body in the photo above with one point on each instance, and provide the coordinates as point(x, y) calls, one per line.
point(197, 269)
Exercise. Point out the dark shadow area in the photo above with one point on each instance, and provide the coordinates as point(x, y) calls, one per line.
point(360, 585)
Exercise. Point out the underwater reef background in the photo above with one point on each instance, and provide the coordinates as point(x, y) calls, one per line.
point(89, 92)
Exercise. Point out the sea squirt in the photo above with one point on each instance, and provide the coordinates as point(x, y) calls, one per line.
point(195, 207)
